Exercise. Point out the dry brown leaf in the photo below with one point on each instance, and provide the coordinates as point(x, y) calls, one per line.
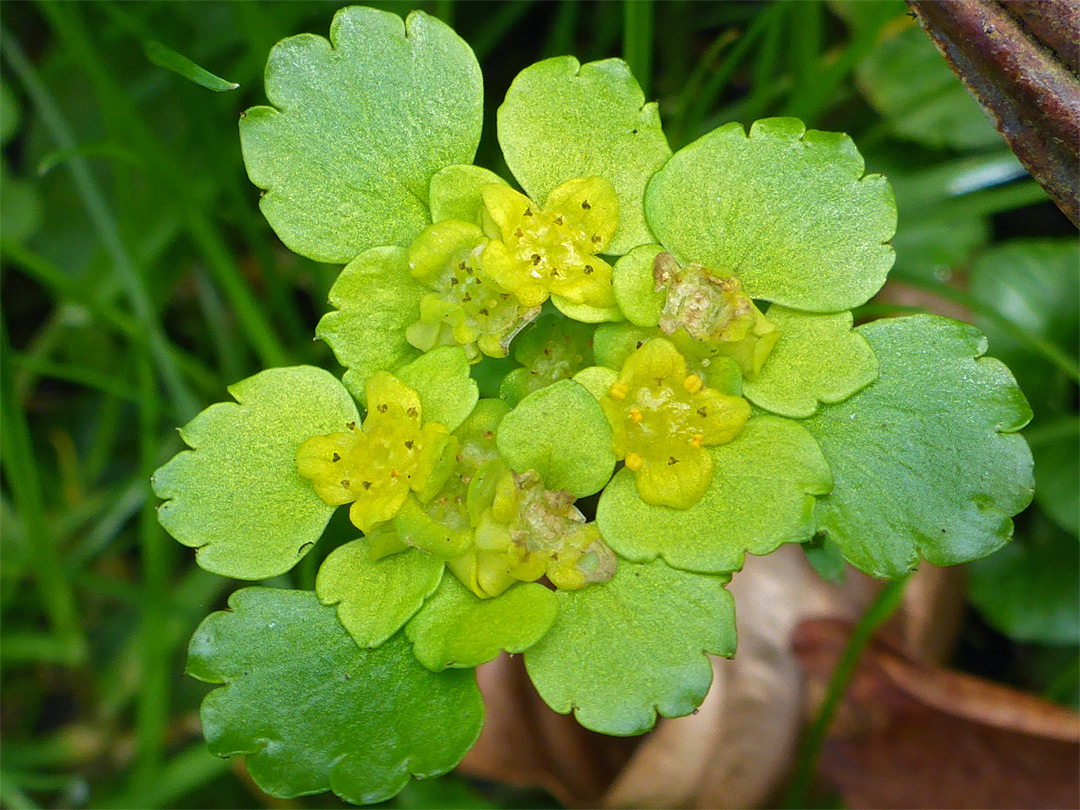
point(736, 751)
point(913, 735)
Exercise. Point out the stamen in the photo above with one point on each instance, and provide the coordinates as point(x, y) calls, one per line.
point(635, 416)
point(634, 461)
point(618, 391)
point(693, 383)
point(697, 440)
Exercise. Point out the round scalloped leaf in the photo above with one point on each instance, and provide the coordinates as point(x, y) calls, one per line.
point(456, 193)
point(787, 210)
point(622, 651)
point(562, 120)
point(818, 358)
point(635, 286)
point(926, 460)
point(375, 299)
point(456, 628)
point(441, 377)
point(586, 313)
point(375, 598)
point(236, 496)
point(761, 496)
point(361, 124)
point(314, 712)
point(561, 432)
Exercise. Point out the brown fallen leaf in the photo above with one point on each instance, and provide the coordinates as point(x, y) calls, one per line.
point(737, 750)
point(909, 734)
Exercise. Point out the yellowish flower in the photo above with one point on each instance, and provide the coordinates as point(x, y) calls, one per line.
point(467, 307)
point(376, 467)
point(663, 418)
point(539, 251)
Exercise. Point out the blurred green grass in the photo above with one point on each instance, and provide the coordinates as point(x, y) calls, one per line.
point(138, 280)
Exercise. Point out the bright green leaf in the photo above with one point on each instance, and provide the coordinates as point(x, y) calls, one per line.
point(236, 495)
point(762, 495)
point(9, 113)
point(926, 460)
point(597, 380)
point(550, 349)
point(562, 120)
point(818, 358)
point(312, 711)
point(586, 313)
point(361, 124)
point(456, 628)
point(622, 651)
point(786, 209)
point(375, 598)
point(559, 431)
point(375, 300)
point(1030, 590)
point(635, 286)
point(441, 378)
point(169, 59)
point(456, 193)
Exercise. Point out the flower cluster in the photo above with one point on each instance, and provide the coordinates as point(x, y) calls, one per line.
point(584, 403)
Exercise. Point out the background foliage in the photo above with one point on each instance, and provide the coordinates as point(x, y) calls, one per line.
point(139, 280)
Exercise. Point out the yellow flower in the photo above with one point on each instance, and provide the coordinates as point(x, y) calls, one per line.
point(376, 467)
point(467, 307)
point(552, 250)
point(663, 418)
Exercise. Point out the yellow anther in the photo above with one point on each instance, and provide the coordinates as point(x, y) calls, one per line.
point(697, 440)
point(693, 383)
point(635, 416)
point(618, 391)
point(634, 461)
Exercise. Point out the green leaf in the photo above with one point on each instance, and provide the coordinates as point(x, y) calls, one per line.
point(456, 628)
point(169, 59)
point(761, 496)
point(622, 651)
point(361, 124)
point(375, 598)
point(910, 84)
point(441, 378)
point(818, 358)
point(597, 380)
point(236, 496)
point(456, 193)
point(559, 431)
point(635, 286)
point(1032, 283)
point(613, 343)
point(1056, 448)
point(926, 460)
point(375, 300)
point(314, 712)
point(786, 209)
point(586, 313)
point(1030, 590)
point(826, 558)
point(562, 120)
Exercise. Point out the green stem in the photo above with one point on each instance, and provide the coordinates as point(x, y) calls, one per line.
point(152, 708)
point(638, 40)
point(883, 606)
point(21, 472)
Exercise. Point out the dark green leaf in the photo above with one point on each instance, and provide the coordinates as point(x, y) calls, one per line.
point(926, 460)
point(181, 65)
point(313, 712)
